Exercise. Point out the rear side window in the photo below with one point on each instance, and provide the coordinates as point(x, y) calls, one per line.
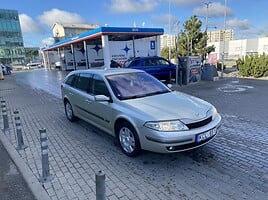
point(71, 80)
point(83, 81)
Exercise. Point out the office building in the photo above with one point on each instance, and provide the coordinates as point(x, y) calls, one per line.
point(11, 40)
point(217, 36)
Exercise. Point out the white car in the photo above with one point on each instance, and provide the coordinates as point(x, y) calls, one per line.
point(138, 110)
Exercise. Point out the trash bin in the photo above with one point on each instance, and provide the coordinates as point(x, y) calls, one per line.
point(209, 72)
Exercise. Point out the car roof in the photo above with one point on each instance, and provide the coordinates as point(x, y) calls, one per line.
point(145, 57)
point(106, 71)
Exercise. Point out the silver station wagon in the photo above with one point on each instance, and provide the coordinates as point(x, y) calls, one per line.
point(138, 110)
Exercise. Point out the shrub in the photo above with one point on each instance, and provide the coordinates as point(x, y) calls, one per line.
point(256, 66)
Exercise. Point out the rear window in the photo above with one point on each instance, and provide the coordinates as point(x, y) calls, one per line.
point(161, 61)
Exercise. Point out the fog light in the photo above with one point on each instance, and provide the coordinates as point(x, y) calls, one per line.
point(171, 148)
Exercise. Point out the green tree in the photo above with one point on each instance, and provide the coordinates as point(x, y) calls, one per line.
point(165, 50)
point(192, 41)
point(31, 54)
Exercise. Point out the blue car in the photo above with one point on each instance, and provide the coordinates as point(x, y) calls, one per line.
point(158, 67)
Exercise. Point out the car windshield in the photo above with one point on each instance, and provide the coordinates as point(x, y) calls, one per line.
point(135, 85)
point(128, 62)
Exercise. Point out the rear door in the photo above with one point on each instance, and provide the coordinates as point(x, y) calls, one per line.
point(80, 96)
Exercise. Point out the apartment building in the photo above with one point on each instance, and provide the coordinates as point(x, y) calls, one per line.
point(217, 36)
point(167, 40)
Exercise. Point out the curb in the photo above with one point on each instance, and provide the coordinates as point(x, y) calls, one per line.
point(34, 185)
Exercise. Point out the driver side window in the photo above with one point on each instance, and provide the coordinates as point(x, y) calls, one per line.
point(99, 87)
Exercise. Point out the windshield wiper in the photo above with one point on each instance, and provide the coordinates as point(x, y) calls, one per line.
point(146, 95)
point(157, 92)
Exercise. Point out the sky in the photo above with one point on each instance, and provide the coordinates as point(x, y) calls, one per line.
point(247, 18)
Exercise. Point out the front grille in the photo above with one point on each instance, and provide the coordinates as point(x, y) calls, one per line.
point(200, 123)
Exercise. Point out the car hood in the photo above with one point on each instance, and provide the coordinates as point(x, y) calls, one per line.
point(172, 105)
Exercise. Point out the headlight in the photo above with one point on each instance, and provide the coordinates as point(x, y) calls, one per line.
point(168, 126)
point(212, 112)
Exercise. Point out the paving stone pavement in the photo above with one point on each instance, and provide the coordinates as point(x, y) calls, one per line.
point(233, 166)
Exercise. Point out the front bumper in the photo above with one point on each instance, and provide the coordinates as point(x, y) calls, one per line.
point(169, 142)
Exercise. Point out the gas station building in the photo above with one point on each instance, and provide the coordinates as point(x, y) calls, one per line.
point(98, 47)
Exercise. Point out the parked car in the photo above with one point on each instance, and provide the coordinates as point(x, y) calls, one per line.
point(138, 110)
point(6, 69)
point(158, 67)
point(34, 65)
point(58, 65)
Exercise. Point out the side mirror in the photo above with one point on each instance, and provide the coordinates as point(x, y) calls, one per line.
point(102, 98)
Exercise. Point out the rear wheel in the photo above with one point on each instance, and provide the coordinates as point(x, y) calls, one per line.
point(128, 139)
point(69, 111)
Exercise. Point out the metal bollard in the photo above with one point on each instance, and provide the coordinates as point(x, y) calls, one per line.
point(180, 77)
point(21, 145)
point(46, 176)
point(4, 113)
point(100, 185)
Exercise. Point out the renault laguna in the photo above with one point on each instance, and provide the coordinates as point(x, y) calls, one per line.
point(141, 112)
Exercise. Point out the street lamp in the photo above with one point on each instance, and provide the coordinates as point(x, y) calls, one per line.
point(169, 23)
point(206, 28)
point(207, 5)
point(224, 25)
point(176, 23)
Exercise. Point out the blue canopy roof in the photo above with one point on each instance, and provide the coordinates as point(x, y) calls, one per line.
point(114, 33)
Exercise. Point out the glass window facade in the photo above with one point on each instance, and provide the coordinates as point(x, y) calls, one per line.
point(11, 40)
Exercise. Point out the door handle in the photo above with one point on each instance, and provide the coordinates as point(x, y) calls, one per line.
point(88, 101)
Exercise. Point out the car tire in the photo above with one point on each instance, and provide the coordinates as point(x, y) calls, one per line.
point(69, 111)
point(128, 139)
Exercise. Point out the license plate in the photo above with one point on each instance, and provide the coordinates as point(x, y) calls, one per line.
point(208, 134)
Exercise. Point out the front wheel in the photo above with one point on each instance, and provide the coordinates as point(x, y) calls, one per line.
point(69, 111)
point(128, 139)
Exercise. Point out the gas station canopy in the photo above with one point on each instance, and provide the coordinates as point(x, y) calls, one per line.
point(113, 33)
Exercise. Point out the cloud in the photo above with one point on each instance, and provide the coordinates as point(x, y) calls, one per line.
point(55, 15)
point(132, 6)
point(214, 10)
point(46, 42)
point(28, 25)
point(239, 24)
point(163, 20)
point(185, 2)
point(253, 32)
